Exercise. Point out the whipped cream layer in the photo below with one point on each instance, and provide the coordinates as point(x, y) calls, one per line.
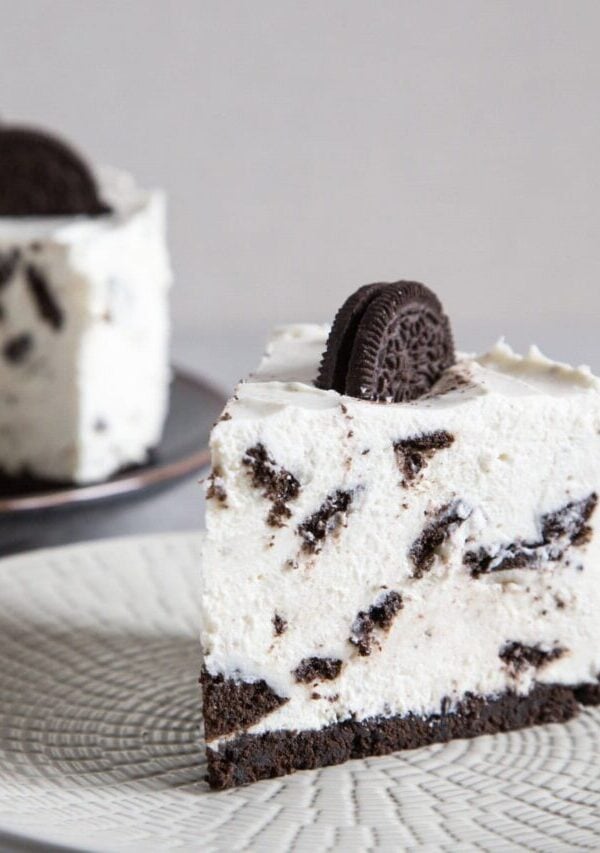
point(369, 560)
point(84, 329)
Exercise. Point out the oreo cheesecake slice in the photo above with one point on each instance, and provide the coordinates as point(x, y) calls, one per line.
point(84, 324)
point(403, 543)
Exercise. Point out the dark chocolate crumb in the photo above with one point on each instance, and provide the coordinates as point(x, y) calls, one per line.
point(570, 521)
point(317, 669)
point(46, 304)
point(350, 433)
point(231, 705)
point(559, 530)
point(8, 265)
point(216, 490)
point(225, 417)
point(414, 453)
point(325, 520)
point(362, 633)
point(279, 624)
point(315, 695)
point(276, 484)
point(100, 425)
point(382, 612)
point(446, 705)
point(364, 453)
point(513, 556)
point(18, 348)
point(423, 550)
point(379, 615)
point(518, 656)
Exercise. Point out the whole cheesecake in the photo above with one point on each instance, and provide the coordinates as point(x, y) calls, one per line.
point(84, 320)
point(400, 543)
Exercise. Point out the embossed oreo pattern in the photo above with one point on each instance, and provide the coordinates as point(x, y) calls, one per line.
point(388, 343)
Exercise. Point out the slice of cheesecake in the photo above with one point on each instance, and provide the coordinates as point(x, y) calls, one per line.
point(84, 320)
point(384, 575)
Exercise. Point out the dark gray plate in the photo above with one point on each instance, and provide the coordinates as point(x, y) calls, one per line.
point(194, 407)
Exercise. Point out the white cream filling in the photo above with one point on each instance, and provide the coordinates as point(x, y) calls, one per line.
point(91, 396)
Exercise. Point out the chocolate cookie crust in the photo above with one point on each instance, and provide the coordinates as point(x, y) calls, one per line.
point(248, 758)
point(230, 706)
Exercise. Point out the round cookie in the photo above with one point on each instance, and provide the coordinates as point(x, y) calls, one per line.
point(334, 364)
point(42, 176)
point(389, 343)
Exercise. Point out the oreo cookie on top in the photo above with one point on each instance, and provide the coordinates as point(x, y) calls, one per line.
point(389, 343)
point(41, 175)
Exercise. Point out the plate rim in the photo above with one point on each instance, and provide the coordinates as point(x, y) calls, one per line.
point(137, 480)
point(127, 539)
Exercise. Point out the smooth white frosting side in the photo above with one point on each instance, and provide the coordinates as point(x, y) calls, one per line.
point(91, 396)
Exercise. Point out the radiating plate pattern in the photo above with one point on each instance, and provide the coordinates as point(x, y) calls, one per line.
point(101, 741)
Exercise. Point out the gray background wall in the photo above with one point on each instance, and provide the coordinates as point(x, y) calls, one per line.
point(309, 147)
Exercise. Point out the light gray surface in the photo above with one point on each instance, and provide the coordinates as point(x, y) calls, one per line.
point(311, 147)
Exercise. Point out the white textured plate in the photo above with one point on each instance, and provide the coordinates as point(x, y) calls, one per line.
point(100, 742)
